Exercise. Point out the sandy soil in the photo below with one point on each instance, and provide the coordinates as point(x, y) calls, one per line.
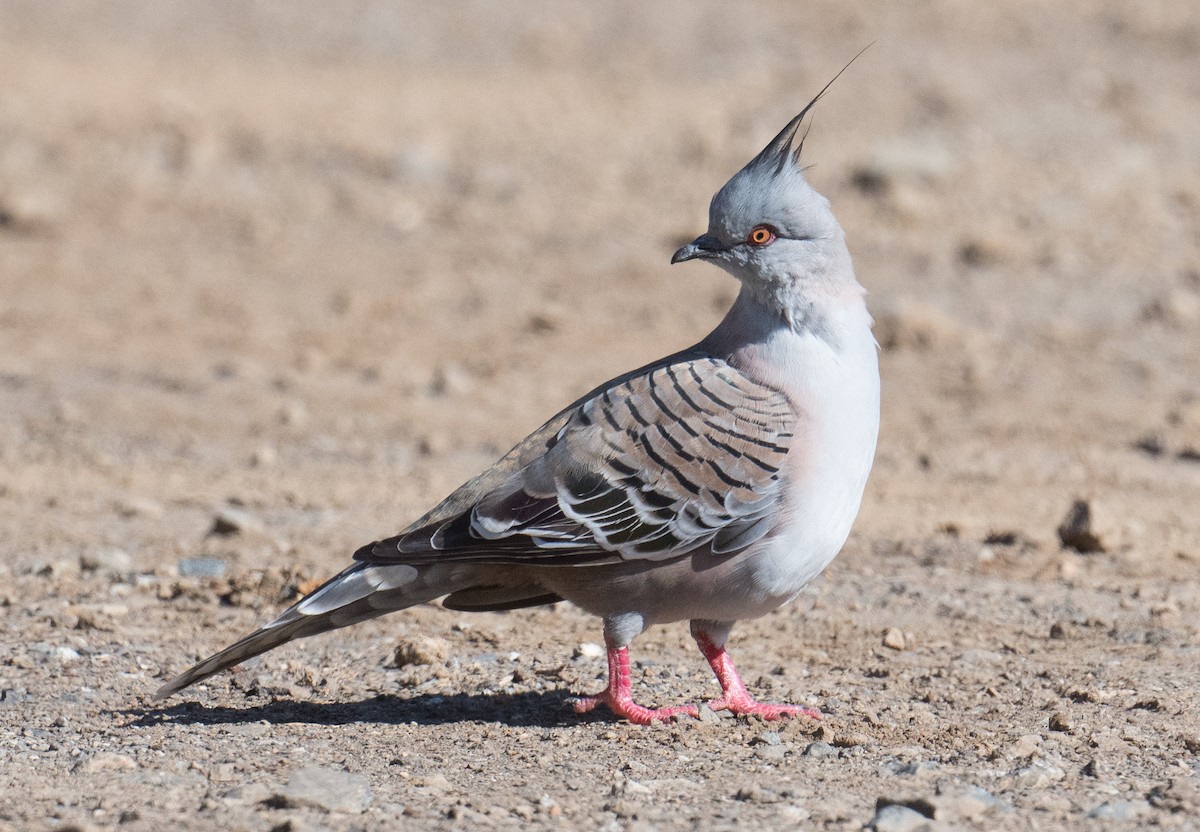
point(307, 269)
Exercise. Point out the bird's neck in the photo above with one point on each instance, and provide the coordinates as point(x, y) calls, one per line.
point(836, 316)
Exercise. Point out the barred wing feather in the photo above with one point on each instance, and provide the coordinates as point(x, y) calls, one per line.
point(681, 456)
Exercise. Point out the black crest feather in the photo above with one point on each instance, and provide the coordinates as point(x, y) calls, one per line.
point(780, 150)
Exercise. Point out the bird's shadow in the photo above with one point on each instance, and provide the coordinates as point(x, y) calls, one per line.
point(532, 709)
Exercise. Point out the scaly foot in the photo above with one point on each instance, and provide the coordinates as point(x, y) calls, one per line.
point(734, 696)
point(626, 708)
point(619, 695)
point(749, 706)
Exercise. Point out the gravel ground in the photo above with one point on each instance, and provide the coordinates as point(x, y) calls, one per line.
point(275, 277)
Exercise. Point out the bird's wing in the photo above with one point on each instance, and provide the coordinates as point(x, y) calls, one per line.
point(679, 456)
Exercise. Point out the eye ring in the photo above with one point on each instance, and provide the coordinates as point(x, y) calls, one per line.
point(761, 235)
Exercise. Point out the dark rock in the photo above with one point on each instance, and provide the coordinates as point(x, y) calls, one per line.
point(1077, 530)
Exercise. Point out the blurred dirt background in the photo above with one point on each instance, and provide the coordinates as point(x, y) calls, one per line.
point(274, 277)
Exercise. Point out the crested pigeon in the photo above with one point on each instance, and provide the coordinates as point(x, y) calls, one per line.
point(711, 485)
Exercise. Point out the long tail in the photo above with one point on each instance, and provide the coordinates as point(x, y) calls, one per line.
point(359, 592)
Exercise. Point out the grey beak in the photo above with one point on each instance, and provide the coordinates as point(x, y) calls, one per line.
point(704, 247)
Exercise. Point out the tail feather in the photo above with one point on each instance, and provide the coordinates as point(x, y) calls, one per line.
point(356, 594)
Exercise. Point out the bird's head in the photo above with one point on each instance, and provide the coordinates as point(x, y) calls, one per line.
point(773, 232)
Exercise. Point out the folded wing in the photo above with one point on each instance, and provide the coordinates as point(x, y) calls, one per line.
point(683, 455)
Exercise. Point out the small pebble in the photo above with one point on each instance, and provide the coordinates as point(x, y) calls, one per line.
point(325, 788)
point(984, 250)
point(421, 650)
point(107, 761)
point(628, 786)
point(139, 507)
point(969, 804)
point(895, 818)
point(436, 783)
point(202, 568)
point(976, 656)
point(1178, 308)
point(451, 380)
point(1039, 775)
point(62, 569)
point(1026, 746)
point(893, 638)
point(1119, 810)
point(114, 561)
point(264, 457)
point(231, 520)
point(755, 794)
point(850, 739)
point(549, 806)
point(588, 650)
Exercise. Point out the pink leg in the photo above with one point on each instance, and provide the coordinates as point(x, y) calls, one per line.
point(734, 696)
point(619, 695)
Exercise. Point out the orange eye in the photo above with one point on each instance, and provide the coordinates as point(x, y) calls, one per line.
point(761, 235)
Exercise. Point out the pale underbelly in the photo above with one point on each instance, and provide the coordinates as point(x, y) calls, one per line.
point(746, 585)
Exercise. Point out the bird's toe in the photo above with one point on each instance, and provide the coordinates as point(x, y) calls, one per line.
point(770, 711)
point(629, 710)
